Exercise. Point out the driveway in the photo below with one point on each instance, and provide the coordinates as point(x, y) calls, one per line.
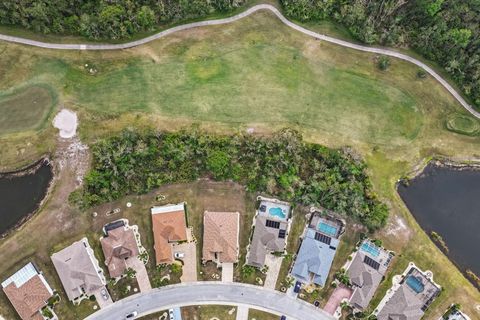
point(102, 302)
point(227, 272)
point(274, 263)
point(339, 294)
point(214, 292)
point(189, 270)
point(141, 275)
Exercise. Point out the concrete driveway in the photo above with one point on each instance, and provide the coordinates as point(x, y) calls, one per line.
point(227, 272)
point(102, 302)
point(141, 275)
point(189, 270)
point(213, 292)
point(274, 263)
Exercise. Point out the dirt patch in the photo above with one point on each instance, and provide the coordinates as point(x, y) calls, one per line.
point(66, 121)
point(398, 227)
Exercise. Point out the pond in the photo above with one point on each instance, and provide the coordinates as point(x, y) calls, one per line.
point(447, 200)
point(21, 194)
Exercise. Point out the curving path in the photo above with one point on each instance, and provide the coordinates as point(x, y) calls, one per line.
point(248, 12)
point(218, 293)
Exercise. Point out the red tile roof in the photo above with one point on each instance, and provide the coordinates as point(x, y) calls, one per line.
point(168, 227)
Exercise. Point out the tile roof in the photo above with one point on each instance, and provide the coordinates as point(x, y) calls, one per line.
point(78, 269)
point(28, 292)
point(220, 236)
point(169, 225)
point(265, 239)
point(118, 245)
point(314, 259)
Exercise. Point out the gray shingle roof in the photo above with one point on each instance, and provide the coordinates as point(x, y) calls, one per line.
point(265, 240)
point(406, 303)
point(314, 259)
point(78, 269)
point(364, 278)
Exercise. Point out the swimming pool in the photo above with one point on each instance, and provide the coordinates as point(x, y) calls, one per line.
point(327, 229)
point(370, 248)
point(415, 283)
point(276, 212)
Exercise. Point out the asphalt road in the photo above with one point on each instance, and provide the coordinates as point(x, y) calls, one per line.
point(219, 293)
point(253, 9)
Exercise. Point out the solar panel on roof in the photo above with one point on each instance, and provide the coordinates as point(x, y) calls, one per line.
point(370, 262)
point(272, 224)
point(282, 233)
point(323, 238)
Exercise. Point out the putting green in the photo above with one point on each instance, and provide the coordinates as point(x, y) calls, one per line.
point(463, 124)
point(25, 109)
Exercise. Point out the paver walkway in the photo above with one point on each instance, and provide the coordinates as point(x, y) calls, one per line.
point(274, 263)
point(141, 275)
point(189, 270)
point(387, 52)
point(340, 293)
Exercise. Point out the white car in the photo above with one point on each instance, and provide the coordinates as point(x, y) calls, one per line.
point(179, 255)
point(171, 315)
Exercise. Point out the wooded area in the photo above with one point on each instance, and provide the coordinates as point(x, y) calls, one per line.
point(96, 19)
point(283, 165)
point(445, 31)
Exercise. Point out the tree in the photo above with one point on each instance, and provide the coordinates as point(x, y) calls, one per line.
point(146, 18)
point(218, 163)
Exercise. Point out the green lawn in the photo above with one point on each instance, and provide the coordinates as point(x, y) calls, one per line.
point(254, 314)
point(25, 109)
point(257, 73)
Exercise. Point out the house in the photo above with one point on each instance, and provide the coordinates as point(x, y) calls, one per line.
point(220, 237)
point(272, 222)
point(319, 246)
point(169, 227)
point(410, 297)
point(118, 245)
point(79, 272)
point(28, 291)
point(366, 271)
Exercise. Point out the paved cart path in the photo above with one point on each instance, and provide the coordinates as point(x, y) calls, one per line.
point(248, 12)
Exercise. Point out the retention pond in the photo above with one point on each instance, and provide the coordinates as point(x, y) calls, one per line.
point(446, 200)
point(21, 193)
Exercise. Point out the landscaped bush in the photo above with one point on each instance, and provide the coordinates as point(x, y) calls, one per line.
point(284, 166)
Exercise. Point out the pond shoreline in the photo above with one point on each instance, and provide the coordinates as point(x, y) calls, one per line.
point(419, 172)
point(29, 170)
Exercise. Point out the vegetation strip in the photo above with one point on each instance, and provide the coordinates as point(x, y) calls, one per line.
point(287, 22)
point(282, 166)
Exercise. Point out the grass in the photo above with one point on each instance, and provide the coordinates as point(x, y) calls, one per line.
point(208, 312)
point(254, 314)
point(26, 109)
point(293, 243)
point(255, 73)
point(463, 124)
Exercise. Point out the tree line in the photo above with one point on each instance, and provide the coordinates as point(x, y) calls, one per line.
point(105, 19)
point(445, 31)
point(283, 165)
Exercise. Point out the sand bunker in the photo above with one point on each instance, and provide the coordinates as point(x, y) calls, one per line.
point(66, 121)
